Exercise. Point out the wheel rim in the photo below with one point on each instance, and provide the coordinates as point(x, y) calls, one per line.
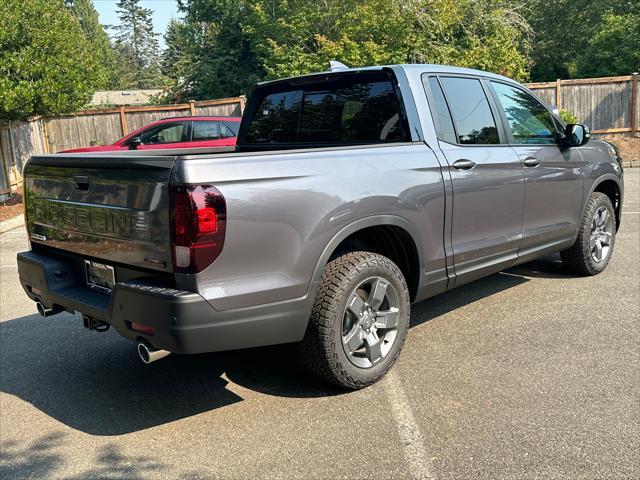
point(601, 236)
point(370, 322)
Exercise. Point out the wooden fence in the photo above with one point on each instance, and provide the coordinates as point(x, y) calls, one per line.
point(608, 105)
point(18, 141)
point(21, 140)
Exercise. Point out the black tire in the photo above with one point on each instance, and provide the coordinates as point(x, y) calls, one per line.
point(322, 348)
point(578, 257)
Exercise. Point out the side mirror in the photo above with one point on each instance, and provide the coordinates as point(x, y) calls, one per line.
point(134, 143)
point(576, 134)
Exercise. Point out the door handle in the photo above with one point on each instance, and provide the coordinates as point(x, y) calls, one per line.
point(531, 162)
point(464, 164)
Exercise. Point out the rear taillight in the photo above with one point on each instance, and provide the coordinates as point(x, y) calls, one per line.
point(198, 221)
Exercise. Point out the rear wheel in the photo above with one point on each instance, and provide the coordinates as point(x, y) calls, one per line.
point(593, 248)
point(359, 320)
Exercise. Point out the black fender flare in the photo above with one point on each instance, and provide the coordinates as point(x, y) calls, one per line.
point(594, 186)
point(346, 231)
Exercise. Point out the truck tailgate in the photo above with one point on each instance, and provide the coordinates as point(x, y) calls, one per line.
point(113, 208)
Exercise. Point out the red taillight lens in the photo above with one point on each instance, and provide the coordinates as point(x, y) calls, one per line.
point(207, 220)
point(198, 218)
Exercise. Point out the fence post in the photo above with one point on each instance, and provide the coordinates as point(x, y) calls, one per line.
point(558, 93)
point(123, 121)
point(634, 103)
point(5, 186)
point(12, 165)
point(47, 145)
point(192, 107)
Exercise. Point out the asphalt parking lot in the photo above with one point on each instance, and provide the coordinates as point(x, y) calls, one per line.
point(530, 373)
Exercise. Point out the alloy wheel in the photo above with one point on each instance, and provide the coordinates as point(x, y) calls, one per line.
point(601, 235)
point(370, 322)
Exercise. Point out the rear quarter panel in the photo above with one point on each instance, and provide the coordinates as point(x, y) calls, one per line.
point(284, 208)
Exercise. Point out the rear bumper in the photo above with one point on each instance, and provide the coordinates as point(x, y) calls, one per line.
point(184, 322)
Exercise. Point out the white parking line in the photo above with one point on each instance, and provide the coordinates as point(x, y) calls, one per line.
point(412, 442)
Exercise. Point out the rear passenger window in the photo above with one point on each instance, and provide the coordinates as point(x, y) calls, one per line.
point(470, 109)
point(229, 129)
point(205, 131)
point(440, 112)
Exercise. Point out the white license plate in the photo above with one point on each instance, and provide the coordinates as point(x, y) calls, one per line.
point(100, 277)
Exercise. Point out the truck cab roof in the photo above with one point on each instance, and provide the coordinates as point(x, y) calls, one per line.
point(409, 68)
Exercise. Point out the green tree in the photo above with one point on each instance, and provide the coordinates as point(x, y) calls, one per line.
point(493, 35)
point(47, 65)
point(217, 58)
point(294, 37)
point(95, 33)
point(136, 47)
point(237, 42)
point(614, 50)
point(175, 52)
point(566, 29)
point(178, 59)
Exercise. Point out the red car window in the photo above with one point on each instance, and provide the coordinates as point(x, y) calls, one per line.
point(232, 128)
point(205, 131)
point(165, 133)
point(226, 132)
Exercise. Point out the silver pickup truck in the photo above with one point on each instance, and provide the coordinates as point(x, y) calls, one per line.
point(351, 194)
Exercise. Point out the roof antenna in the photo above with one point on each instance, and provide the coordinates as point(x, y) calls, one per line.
point(335, 66)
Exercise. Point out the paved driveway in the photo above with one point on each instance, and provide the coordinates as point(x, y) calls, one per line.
point(530, 373)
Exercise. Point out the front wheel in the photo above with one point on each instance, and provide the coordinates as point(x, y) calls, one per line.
point(593, 248)
point(359, 320)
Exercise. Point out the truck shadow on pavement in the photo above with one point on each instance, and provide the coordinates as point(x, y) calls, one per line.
point(95, 383)
point(547, 267)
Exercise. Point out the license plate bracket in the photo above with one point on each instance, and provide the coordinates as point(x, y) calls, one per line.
point(100, 277)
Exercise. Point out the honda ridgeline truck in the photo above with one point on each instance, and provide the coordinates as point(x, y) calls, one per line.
point(350, 195)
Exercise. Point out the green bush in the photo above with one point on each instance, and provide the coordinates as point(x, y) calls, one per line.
point(47, 65)
point(568, 116)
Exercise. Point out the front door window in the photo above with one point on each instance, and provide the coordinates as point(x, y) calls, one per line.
point(165, 133)
point(530, 122)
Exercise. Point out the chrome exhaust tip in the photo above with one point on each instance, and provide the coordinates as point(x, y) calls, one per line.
point(47, 312)
point(148, 354)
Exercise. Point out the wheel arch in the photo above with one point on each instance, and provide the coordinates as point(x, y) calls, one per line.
point(609, 185)
point(390, 235)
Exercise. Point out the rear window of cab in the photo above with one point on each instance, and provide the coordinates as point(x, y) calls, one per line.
point(356, 108)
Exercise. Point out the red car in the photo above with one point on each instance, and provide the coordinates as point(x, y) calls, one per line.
point(176, 132)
